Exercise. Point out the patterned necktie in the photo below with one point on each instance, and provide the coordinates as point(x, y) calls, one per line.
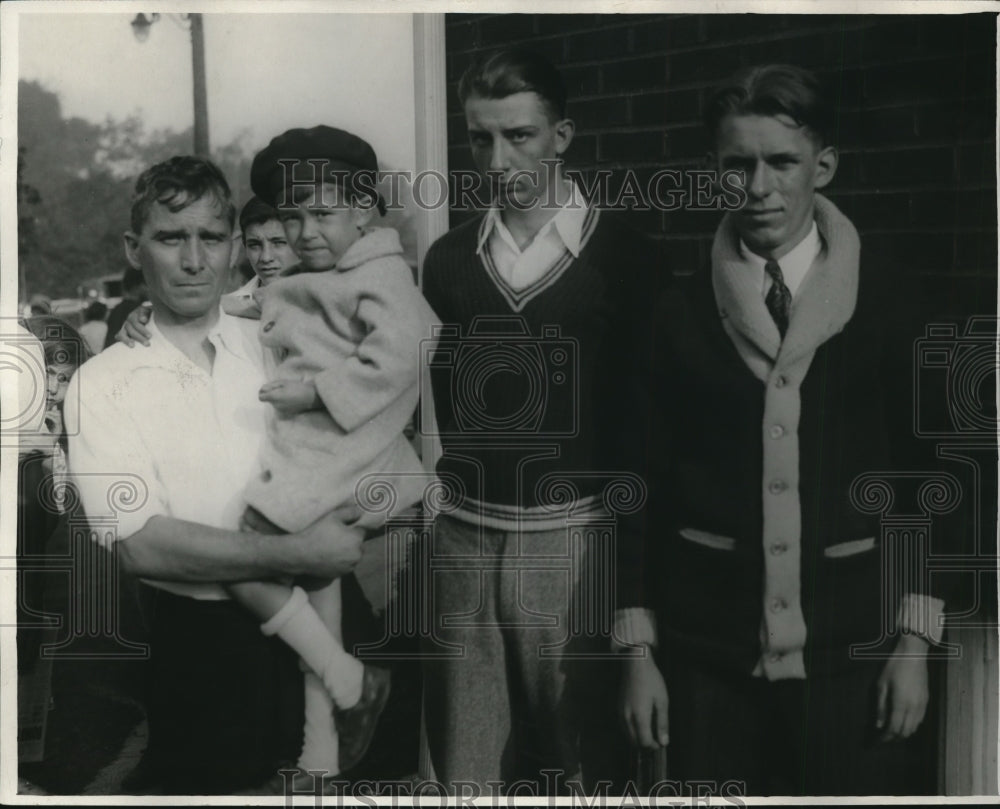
point(779, 298)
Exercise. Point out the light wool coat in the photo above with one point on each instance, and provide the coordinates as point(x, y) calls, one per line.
point(360, 333)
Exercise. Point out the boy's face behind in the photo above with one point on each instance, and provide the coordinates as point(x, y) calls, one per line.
point(517, 136)
point(268, 250)
point(321, 225)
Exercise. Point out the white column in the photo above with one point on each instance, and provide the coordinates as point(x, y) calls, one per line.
point(429, 87)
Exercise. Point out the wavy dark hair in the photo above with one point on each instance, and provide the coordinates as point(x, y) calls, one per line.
point(176, 183)
point(256, 212)
point(774, 90)
point(504, 73)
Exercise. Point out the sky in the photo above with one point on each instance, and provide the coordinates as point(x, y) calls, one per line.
point(265, 73)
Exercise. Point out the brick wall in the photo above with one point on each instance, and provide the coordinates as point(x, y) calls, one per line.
point(917, 104)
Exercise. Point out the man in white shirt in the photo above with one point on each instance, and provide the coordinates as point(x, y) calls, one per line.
point(178, 427)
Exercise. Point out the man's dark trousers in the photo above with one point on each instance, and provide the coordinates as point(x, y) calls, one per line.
point(225, 704)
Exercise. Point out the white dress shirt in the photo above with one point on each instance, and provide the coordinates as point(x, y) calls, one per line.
point(187, 440)
point(794, 265)
point(241, 302)
point(521, 268)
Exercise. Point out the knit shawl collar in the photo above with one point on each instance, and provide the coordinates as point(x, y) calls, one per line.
point(822, 306)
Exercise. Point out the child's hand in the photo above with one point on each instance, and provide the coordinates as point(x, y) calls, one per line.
point(290, 396)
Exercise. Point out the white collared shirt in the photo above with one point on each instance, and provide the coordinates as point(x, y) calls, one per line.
point(185, 440)
point(794, 265)
point(241, 302)
point(521, 268)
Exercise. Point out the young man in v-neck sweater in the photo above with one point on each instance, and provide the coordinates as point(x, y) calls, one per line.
point(781, 380)
point(545, 298)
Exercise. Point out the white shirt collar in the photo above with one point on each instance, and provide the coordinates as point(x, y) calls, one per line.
point(226, 333)
point(794, 265)
point(567, 223)
point(247, 290)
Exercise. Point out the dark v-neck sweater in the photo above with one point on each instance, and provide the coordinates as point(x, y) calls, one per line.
point(540, 384)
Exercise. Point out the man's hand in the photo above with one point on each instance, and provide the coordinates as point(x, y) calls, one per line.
point(290, 396)
point(644, 702)
point(902, 690)
point(331, 548)
point(134, 330)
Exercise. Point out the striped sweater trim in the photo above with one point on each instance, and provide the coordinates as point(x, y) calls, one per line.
point(517, 299)
point(535, 518)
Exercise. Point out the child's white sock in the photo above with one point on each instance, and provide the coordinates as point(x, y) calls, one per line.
point(301, 627)
point(320, 750)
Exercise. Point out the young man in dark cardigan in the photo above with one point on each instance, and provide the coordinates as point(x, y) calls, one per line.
point(549, 275)
point(772, 384)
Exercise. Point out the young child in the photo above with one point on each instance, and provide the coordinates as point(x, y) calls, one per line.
point(346, 331)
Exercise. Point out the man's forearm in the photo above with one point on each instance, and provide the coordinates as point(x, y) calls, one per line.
point(170, 549)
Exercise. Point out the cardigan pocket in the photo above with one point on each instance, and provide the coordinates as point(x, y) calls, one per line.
point(845, 595)
point(850, 548)
point(708, 540)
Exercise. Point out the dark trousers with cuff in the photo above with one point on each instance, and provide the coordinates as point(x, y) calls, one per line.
point(225, 703)
point(815, 736)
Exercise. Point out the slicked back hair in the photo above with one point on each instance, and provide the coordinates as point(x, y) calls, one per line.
point(774, 90)
point(507, 72)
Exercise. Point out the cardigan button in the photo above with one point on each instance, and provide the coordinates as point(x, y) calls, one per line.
point(777, 486)
point(778, 604)
point(778, 548)
point(776, 657)
point(268, 326)
point(781, 381)
point(776, 431)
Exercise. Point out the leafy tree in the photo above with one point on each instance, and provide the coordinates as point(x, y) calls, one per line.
point(75, 181)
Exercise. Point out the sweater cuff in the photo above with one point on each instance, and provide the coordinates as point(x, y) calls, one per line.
point(634, 626)
point(921, 615)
